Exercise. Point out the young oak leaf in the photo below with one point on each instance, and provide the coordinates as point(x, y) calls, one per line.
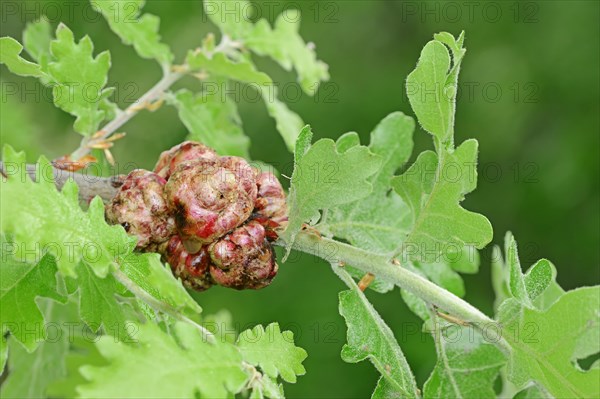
point(532, 392)
point(432, 86)
point(9, 56)
point(32, 373)
point(385, 390)
point(211, 118)
point(162, 366)
point(82, 351)
point(3, 348)
point(273, 351)
point(369, 337)
point(219, 64)
point(288, 123)
point(323, 178)
point(35, 215)
point(232, 17)
point(467, 365)
point(37, 37)
point(545, 343)
point(516, 280)
point(79, 79)
point(537, 288)
point(284, 44)
point(98, 304)
point(36, 40)
point(433, 188)
point(376, 222)
point(140, 31)
point(20, 284)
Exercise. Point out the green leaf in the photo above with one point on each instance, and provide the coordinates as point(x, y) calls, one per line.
point(539, 277)
point(323, 178)
point(36, 40)
point(20, 285)
point(160, 365)
point(535, 289)
point(219, 64)
point(79, 79)
point(9, 56)
point(284, 44)
point(385, 390)
point(443, 275)
point(141, 31)
point(467, 364)
point(231, 16)
point(369, 337)
point(516, 280)
point(98, 305)
point(288, 123)
point(212, 118)
point(378, 221)
point(532, 392)
point(499, 283)
point(303, 143)
point(465, 261)
point(32, 373)
point(148, 272)
point(544, 343)
point(455, 45)
point(414, 303)
point(347, 141)
point(433, 189)
point(549, 296)
point(39, 219)
point(3, 349)
point(432, 86)
point(273, 351)
point(221, 325)
point(82, 352)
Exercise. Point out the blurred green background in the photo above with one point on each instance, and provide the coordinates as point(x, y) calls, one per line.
point(529, 94)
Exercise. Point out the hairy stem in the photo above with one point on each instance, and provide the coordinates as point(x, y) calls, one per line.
point(336, 252)
point(124, 116)
point(332, 251)
point(154, 94)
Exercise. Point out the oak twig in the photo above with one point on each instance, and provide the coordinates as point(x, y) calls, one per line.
point(367, 262)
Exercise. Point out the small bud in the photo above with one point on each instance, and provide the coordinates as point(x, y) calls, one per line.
point(243, 259)
point(207, 200)
point(186, 151)
point(140, 207)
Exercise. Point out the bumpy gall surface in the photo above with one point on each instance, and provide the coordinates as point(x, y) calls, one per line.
point(207, 200)
point(212, 218)
point(245, 174)
point(193, 269)
point(270, 203)
point(187, 151)
point(140, 207)
point(244, 258)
